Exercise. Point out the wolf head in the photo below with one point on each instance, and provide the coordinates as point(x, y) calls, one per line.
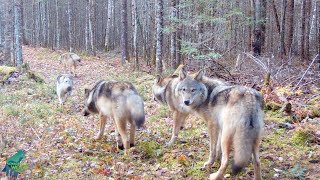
point(89, 104)
point(190, 89)
point(65, 82)
point(91, 98)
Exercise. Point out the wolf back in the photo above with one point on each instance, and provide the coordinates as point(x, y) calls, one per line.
point(122, 97)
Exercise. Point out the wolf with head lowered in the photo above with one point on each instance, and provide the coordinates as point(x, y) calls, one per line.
point(119, 101)
point(233, 115)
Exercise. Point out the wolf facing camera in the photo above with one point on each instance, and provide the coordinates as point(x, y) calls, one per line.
point(64, 87)
point(233, 115)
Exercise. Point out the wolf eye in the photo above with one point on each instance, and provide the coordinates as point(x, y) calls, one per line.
point(183, 89)
point(193, 90)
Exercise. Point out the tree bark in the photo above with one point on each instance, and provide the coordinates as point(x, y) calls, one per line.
point(124, 34)
point(18, 31)
point(92, 26)
point(303, 30)
point(8, 44)
point(308, 19)
point(173, 41)
point(70, 26)
point(276, 17)
point(159, 23)
point(290, 25)
point(57, 26)
point(283, 28)
point(108, 25)
point(179, 35)
point(135, 33)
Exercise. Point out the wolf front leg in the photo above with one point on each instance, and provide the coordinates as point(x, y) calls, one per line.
point(103, 120)
point(178, 119)
point(213, 132)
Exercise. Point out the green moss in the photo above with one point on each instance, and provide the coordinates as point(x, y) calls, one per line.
point(315, 112)
point(12, 110)
point(301, 137)
point(163, 112)
point(273, 106)
point(150, 149)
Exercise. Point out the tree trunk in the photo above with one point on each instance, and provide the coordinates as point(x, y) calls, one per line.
point(124, 34)
point(92, 26)
point(87, 35)
point(24, 39)
point(283, 28)
point(308, 19)
point(135, 33)
point(303, 31)
point(258, 33)
point(57, 26)
point(290, 25)
point(179, 35)
point(70, 26)
point(159, 23)
point(18, 31)
point(108, 25)
point(173, 50)
point(8, 32)
point(318, 31)
point(276, 17)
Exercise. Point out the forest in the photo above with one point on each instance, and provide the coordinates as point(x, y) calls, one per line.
point(197, 68)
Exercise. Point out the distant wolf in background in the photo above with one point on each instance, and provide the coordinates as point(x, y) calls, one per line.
point(70, 59)
point(64, 87)
point(119, 101)
point(233, 115)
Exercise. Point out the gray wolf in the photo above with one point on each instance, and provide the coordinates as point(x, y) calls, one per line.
point(233, 115)
point(71, 60)
point(64, 87)
point(119, 101)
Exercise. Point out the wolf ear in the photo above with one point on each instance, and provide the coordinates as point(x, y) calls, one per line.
point(86, 91)
point(199, 75)
point(182, 73)
point(158, 79)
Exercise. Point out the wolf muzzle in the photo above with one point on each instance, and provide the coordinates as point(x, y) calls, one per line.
point(85, 113)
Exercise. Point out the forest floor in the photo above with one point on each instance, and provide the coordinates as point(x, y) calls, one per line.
point(59, 142)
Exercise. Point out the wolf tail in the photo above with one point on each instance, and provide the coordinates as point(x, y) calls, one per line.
point(246, 138)
point(136, 105)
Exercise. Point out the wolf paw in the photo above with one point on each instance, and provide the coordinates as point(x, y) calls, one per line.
point(215, 176)
point(121, 147)
point(207, 164)
point(98, 137)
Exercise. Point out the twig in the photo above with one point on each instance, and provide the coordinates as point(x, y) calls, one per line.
point(256, 60)
point(305, 72)
point(35, 132)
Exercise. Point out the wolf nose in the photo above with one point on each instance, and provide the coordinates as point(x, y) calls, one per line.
point(85, 113)
point(187, 102)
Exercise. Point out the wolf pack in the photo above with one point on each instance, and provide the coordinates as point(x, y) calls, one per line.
point(233, 113)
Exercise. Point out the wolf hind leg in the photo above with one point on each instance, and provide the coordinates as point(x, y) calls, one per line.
point(121, 126)
point(132, 134)
point(256, 160)
point(103, 120)
point(226, 141)
point(178, 119)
